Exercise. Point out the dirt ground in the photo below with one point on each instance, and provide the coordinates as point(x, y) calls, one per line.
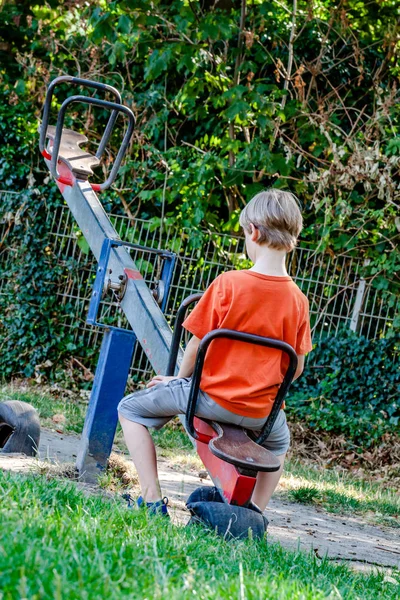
point(295, 526)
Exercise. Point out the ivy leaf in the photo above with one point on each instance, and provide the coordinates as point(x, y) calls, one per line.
point(209, 30)
point(103, 27)
point(186, 62)
point(157, 63)
point(20, 87)
point(83, 245)
point(239, 107)
point(124, 24)
point(393, 147)
point(117, 53)
point(252, 189)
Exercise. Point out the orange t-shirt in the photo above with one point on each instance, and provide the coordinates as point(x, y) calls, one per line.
point(244, 378)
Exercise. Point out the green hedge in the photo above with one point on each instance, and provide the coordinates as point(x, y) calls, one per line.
point(35, 337)
point(352, 386)
point(219, 115)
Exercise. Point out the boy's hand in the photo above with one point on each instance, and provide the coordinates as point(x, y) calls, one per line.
point(160, 379)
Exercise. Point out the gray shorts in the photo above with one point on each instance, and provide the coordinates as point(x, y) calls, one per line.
point(154, 407)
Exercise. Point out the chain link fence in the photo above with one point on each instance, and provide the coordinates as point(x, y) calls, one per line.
point(338, 296)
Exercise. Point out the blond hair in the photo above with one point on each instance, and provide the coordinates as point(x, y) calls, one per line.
point(276, 215)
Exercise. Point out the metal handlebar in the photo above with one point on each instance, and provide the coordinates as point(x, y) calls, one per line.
point(203, 346)
point(85, 83)
point(102, 103)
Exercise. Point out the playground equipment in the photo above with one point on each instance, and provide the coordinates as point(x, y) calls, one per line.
point(116, 272)
point(232, 458)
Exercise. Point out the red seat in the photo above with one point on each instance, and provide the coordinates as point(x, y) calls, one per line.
point(234, 446)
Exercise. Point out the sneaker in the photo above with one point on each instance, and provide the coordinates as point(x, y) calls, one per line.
point(154, 508)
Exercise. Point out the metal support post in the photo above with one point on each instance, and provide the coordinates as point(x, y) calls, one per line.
point(108, 389)
point(359, 300)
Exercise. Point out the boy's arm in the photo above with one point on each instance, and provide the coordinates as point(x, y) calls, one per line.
point(187, 365)
point(189, 357)
point(206, 316)
point(300, 366)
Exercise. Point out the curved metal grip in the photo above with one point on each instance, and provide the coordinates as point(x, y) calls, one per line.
point(176, 337)
point(102, 103)
point(250, 339)
point(85, 83)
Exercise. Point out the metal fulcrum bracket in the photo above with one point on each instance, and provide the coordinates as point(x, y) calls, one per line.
point(105, 283)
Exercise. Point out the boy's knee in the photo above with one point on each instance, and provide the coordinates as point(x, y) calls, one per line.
point(130, 406)
point(122, 405)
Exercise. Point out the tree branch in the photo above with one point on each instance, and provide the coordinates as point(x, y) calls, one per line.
point(288, 73)
point(291, 52)
point(236, 77)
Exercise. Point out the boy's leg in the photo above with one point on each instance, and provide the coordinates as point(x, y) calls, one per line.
point(142, 450)
point(152, 407)
point(266, 485)
point(278, 443)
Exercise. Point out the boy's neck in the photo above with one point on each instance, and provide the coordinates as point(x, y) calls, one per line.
point(268, 261)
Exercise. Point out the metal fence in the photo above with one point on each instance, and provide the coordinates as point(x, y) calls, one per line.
point(338, 296)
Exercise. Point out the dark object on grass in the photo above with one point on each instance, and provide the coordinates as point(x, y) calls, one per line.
point(208, 508)
point(19, 428)
point(205, 494)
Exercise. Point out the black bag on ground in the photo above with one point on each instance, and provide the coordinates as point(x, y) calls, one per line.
point(207, 508)
point(205, 494)
point(19, 428)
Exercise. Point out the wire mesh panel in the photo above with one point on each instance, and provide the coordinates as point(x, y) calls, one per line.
point(378, 313)
point(331, 283)
point(7, 220)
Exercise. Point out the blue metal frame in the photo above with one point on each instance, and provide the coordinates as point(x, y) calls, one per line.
point(167, 271)
point(141, 310)
point(148, 323)
point(108, 389)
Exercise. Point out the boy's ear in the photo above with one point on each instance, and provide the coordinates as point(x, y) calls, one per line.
point(254, 233)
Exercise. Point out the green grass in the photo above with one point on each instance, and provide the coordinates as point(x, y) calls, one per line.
point(305, 494)
point(58, 543)
point(173, 438)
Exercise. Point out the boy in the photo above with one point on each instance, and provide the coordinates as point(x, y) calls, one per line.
point(239, 381)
